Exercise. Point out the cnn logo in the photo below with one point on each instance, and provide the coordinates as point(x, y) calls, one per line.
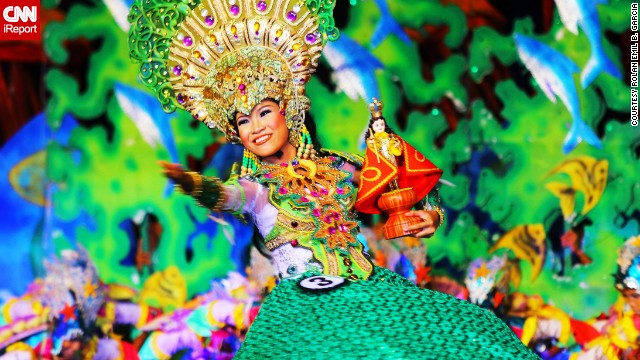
point(20, 20)
point(20, 14)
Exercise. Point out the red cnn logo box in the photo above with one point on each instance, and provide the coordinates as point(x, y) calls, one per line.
point(20, 20)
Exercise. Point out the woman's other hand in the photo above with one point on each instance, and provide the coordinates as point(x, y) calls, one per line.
point(429, 224)
point(176, 173)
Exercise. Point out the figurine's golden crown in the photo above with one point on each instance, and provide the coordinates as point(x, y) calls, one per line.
point(375, 108)
point(221, 57)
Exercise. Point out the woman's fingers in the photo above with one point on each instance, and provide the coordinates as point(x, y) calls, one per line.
point(426, 232)
point(170, 170)
point(426, 226)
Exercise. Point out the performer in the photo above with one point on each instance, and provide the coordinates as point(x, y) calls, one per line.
point(241, 66)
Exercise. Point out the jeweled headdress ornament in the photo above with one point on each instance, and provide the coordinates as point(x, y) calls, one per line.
point(215, 58)
point(628, 275)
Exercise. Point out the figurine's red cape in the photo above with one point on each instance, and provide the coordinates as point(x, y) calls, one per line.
point(414, 170)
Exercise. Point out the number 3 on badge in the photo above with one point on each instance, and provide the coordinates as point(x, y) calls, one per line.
point(321, 282)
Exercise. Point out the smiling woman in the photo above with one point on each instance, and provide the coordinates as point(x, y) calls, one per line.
point(247, 78)
point(264, 132)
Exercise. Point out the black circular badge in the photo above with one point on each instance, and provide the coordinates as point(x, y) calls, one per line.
point(322, 282)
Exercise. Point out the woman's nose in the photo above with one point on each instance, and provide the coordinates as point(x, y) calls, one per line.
point(258, 126)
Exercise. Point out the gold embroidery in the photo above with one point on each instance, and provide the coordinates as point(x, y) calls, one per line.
point(362, 261)
point(381, 183)
point(373, 178)
point(333, 263)
point(419, 170)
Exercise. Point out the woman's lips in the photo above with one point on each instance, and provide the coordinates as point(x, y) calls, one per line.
point(262, 139)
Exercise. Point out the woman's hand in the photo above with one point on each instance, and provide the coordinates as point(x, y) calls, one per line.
point(172, 171)
point(431, 221)
point(176, 173)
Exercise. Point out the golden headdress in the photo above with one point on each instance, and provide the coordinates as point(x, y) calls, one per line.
point(218, 57)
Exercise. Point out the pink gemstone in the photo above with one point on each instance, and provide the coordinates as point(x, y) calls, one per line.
point(304, 199)
point(282, 190)
point(343, 228)
point(241, 87)
point(284, 164)
point(235, 10)
point(332, 230)
point(294, 242)
point(315, 194)
point(324, 192)
point(268, 175)
point(328, 219)
point(336, 216)
point(340, 191)
point(332, 158)
point(316, 212)
point(261, 5)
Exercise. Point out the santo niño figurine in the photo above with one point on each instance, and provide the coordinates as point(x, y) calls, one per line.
point(394, 177)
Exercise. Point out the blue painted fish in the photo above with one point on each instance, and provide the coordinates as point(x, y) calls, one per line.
point(583, 14)
point(354, 68)
point(152, 122)
point(387, 25)
point(553, 72)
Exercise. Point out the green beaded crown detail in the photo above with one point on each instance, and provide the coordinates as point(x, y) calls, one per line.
point(215, 58)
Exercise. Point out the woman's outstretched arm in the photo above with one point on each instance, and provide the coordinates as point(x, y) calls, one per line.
point(236, 196)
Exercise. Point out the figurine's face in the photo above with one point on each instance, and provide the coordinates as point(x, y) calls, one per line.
point(378, 126)
point(633, 299)
point(264, 131)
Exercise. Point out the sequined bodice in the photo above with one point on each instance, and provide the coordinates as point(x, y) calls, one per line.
point(314, 201)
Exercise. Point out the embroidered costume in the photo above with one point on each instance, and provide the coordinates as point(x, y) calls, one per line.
point(217, 58)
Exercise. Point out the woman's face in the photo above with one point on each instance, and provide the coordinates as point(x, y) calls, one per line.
point(264, 131)
point(378, 126)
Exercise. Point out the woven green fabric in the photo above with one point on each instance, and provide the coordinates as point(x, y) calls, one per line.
point(385, 317)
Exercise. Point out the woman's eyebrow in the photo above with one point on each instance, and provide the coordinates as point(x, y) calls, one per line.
point(262, 107)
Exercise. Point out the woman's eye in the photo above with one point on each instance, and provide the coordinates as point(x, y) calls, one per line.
point(264, 112)
point(243, 121)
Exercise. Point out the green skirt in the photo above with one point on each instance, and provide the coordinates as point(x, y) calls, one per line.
point(385, 317)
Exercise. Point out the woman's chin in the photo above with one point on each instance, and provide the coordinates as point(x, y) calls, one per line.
point(263, 151)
